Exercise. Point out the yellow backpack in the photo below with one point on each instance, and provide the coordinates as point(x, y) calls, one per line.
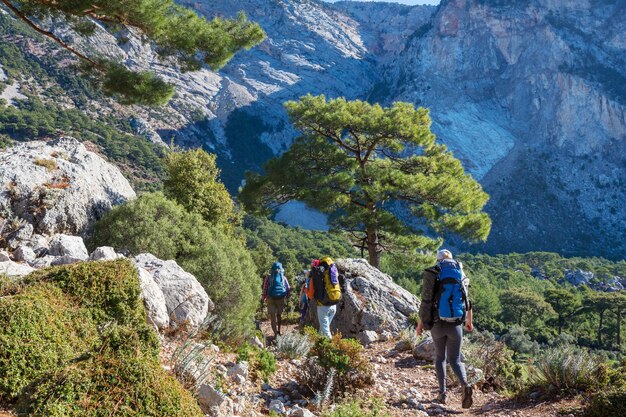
point(326, 282)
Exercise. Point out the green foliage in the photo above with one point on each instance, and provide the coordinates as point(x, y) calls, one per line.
point(221, 263)
point(344, 357)
point(567, 369)
point(520, 342)
point(121, 376)
point(261, 362)
point(40, 329)
point(293, 345)
point(178, 33)
point(355, 408)
point(350, 164)
point(523, 307)
point(607, 403)
point(193, 182)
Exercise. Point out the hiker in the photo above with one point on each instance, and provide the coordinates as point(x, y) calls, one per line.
point(444, 310)
point(324, 288)
point(275, 290)
point(304, 299)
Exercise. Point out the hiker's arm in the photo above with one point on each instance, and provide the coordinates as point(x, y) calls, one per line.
point(287, 286)
point(265, 285)
point(469, 325)
point(420, 328)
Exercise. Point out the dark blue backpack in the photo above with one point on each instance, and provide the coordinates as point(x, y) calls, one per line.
point(277, 287)
point(450, 299)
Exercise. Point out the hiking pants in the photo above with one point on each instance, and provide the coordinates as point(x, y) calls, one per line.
point(275, 308)
point(325, 315)
point(447, 339)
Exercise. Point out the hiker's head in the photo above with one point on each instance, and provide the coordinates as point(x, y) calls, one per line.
point(315, 263)
point(277, 266)
point(444, 254)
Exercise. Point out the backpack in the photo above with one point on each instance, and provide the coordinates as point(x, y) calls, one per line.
point(277, 287)
point(327, 290)
point(451, 303)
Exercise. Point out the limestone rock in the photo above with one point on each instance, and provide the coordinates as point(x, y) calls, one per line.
point(13, 269)
point(186, 300)
point(368, 337)
point(4, 256)
point(371, 301)
point(300, 412)
point(72, 246)
point(65, 260)
point(425, 350)
point(278, 407)
point(104, 253)
point(240, 369)
point(19, 236)
point(153, 300)
point(58, 186)
point(43, 262)
point(214, 402)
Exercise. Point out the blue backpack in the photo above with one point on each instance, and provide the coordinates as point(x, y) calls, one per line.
point(277, 287)
point(450, 298)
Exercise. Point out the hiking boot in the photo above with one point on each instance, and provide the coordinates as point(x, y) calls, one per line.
point(441, 398)
point(466, 399)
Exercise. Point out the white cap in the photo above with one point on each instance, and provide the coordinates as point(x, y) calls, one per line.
point(444, 254)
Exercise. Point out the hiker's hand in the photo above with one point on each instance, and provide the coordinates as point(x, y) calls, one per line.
point(469, 327)
point(419, 329)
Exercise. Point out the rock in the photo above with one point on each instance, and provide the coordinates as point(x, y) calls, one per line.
point(371, 301)
point(300, 412)
point(65, 260)
point(186, 300)
point(39, 244)
point(43, 262)
point(425, 350)
point(72, 246)
point(385, 336)
point(277, 406)
point(20, 236)
point(13, 269)
point(58, 186)
point(257, 342)
point(153, 300)
point(104, 253)
point(214, 402)
point(403, 346)
point(4, 256)
point(368, 337)
point(239, 369)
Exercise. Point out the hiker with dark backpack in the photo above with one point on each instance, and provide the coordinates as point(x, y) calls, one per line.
point(444, 310)
point(275, 290)
point(325, 289)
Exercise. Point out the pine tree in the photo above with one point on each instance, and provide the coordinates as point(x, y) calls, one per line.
point(178, 33)
point(363, 165)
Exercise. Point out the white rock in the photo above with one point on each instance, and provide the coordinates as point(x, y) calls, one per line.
point(65, 260)
point(13, 269)
point(19, 236)
point(104, 253)
point(239, 369)
point(4, 256)
point(24, 254)
point(73, 246)
point(368, 337)
point(214, 402)
point(277, 406)
point(43, 262)
point(425, 350)
point(59, 186)
point(186, 300)
point(153, 300)
point(300, 412)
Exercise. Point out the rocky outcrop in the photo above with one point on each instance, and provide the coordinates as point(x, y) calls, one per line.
point(55, 187)
point(372, 303)
point(187, 303)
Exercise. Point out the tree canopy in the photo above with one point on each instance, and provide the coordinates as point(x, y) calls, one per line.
point(178, 34)
point(365, 165)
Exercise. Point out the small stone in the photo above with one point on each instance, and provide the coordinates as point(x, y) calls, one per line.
point(368, 337)
point(403, 346)
point(257, 342)
point(300, 412)
point(277, 406)
point(104, 253)
point(4, 256)
point(425, 350)
point(240, 369)
point(24, 254)
point(65, 245)
point(65, 260)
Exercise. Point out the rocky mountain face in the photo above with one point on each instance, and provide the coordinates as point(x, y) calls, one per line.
point(529, 94)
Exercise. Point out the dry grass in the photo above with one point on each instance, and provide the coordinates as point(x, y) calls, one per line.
point(49, 164)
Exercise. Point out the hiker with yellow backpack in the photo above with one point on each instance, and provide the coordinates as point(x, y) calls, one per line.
point(325, 289)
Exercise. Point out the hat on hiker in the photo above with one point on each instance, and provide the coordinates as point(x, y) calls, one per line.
point(315, 263)
point(444, 254)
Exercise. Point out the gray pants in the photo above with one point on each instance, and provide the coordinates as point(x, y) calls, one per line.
point(447, 339)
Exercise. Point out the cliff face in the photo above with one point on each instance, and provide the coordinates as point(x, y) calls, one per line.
point(530, 94)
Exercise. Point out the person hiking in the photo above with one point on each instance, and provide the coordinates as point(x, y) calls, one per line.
point(275, 290)
point(304, 299)
point(444, 310)
point(325, 289)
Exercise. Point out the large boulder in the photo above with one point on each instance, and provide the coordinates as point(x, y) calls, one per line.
point(14, 269)
point(153, 300)
point(186, 300)
point(70, 246)
point(57, 187)
point(371, 301)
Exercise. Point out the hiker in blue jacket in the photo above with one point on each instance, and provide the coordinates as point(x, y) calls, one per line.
point(275, 290)
point(445, 310)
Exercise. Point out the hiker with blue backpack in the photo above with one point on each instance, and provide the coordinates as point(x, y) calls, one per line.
point(324, 287)
point(445, 310)
point(275, 290)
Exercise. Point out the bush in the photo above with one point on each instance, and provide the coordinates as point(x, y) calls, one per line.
point(40, 329)
point(357, 409)
point(121, 378)
point(607, 404)
point(567, 369)
point(261, 362)
point(221, 263)
point(342, 358)
point(520, 342)
point(293, 345)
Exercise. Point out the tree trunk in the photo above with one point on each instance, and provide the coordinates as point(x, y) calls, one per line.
point(373, 248)
point(600, 328)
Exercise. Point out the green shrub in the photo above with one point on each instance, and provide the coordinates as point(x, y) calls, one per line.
point(261, 362)
point(293, 345)
point(357, 409)
point(568, 369)
point(40, 329)
point(221, 263)
point(343, 358)
point(120, 378)
point(610, 403)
